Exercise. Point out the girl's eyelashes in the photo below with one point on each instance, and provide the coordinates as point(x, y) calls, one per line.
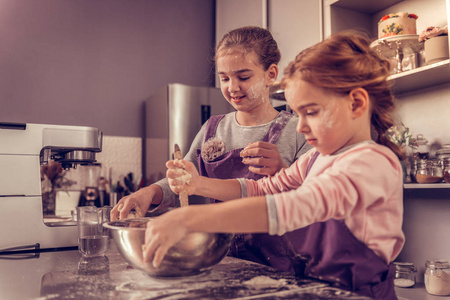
point(311, 113)
point(225, 79)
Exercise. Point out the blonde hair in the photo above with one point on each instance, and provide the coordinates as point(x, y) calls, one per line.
point(343, 62)
point(252, 38)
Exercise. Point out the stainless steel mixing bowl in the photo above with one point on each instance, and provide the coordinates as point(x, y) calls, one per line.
point(196, 253)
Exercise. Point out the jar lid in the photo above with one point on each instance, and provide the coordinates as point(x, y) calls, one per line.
point(404, 266)
point(421, 140)
point(437, 264)
point(443, 152)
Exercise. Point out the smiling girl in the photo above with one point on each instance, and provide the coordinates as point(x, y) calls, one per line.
point(338, 207)
point(254, 141)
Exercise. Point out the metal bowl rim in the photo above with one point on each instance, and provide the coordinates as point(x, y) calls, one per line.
point(127, 222)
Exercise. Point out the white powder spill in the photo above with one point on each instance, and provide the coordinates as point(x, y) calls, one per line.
point(265, 282)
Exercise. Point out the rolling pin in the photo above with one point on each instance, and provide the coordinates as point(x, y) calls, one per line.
point(183, 195)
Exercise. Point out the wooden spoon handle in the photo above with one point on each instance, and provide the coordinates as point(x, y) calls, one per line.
point(184, 201)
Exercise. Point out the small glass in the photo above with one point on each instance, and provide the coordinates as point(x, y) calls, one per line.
point(437, 277)
point(404, 274)
point(93, 238)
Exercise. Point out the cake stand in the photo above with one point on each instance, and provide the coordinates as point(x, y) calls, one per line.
point(397, 48)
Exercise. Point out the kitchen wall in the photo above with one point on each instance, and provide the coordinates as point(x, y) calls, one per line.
point(92, 63)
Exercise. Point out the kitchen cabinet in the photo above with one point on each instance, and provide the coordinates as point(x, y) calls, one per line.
point(423, 101)
point(364, 15)
point(294, 24)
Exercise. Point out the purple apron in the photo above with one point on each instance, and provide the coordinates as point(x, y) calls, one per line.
point(329, 251)
point(230, 165)
point(326, 251)
point(261, 248)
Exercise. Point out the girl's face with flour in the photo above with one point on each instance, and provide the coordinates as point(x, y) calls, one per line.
point(243, 80)
point(329, 121)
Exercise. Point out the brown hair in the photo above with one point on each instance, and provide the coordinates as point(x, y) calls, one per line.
point(343, 62)
point(252, 38)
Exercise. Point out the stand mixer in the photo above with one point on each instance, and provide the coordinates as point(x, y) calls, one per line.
point(24, 147)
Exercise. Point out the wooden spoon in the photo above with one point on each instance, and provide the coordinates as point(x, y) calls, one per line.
point(183, 195)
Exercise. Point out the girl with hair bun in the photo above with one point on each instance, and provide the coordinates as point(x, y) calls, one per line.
point(253, 142)
point(339, 207)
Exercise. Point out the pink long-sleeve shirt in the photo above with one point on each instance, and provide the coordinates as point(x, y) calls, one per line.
point(362, 184)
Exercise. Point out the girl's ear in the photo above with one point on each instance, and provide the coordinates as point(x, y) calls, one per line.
point(360, 102)
point(272, 73)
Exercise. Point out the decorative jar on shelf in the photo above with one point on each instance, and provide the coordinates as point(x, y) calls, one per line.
point(437, 277)
point(405, 274)
point(446, 169)
point(436, 49)
point(422, 148)
point(428, 171)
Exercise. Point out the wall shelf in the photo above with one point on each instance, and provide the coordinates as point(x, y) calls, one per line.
point(346, 14)
point(422, 77)
point(367, 7)
point(411, 186)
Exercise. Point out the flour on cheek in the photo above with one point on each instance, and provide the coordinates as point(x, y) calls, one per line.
point(328, 118)
point(256, 90)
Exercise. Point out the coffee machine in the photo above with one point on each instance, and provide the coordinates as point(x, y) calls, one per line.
point(24, 147)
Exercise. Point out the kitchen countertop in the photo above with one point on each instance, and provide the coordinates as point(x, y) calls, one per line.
point(417, 292)
point(67, 275)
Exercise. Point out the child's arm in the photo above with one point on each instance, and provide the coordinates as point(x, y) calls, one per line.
point(183, 176)
point(234, 216)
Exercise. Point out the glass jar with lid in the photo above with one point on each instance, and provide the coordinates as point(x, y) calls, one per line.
point(423, 148)
point(443, 153)
point(414, 167)
point(437, 277)
point(404, 274)
point(446, 169)
point(429, 171)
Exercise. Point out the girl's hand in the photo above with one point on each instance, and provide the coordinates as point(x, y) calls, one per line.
point(139, 201)
point(182, 176)
point(162, 233)
point(263, 158)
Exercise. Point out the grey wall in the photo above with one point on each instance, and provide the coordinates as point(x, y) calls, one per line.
point(94, 62)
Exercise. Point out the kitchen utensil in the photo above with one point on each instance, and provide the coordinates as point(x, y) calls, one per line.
point(196, 253)
point(184, 201)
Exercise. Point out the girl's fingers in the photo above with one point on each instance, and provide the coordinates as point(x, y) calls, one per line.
point(159, 255)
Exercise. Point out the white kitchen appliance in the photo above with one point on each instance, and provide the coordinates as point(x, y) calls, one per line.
point(24, 148)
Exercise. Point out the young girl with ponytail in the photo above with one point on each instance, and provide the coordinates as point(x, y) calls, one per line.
point(339, 207)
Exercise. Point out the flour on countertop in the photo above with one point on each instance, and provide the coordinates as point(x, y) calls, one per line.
point(265, 282)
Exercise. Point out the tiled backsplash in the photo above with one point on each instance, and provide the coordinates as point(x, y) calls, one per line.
point(120, 156)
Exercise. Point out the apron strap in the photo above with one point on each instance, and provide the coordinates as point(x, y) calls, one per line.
point(211, 127)
point(277, 127)
point(311, 162)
